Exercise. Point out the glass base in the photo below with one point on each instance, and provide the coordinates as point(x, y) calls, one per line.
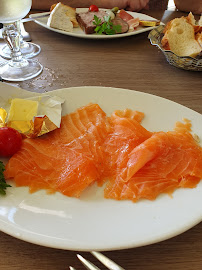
point(26, 70)
point(27, 49)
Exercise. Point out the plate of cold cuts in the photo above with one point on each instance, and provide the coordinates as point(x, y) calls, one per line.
point(82, 23)
point(123, 170)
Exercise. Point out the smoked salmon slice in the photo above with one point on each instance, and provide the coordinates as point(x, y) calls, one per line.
point(67, 159)
point(160, 164)
point(126, 134)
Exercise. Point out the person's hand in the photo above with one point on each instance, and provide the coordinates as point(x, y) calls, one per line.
point(194, 6)
point(132, 5)
point(137, 5)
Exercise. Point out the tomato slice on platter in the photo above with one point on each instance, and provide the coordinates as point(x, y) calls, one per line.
point(10, 141)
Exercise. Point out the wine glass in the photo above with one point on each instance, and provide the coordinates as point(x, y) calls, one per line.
point(28, 49)
point(18, 68)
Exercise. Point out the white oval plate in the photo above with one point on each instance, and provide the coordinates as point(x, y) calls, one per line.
point(92, 222)
point(78, 32)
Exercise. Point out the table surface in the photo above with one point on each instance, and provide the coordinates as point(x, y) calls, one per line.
point(130, 63)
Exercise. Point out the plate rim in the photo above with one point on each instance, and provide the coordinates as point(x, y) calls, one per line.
point(26, 238)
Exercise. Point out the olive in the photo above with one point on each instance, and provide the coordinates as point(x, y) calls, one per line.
point(115, 9)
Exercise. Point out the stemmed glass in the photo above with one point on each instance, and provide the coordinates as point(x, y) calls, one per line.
point(28, 50)
point(18, 68)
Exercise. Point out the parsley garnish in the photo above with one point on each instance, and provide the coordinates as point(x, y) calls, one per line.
point(3, 184)
point(107, 27)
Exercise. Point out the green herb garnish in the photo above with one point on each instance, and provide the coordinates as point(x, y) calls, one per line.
point(107, 27)
point(3, 184)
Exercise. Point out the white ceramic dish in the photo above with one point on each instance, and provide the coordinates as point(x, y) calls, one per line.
point(92, 222)
point(78, 32)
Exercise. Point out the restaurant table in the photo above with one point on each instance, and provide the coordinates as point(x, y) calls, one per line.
point(129, 63)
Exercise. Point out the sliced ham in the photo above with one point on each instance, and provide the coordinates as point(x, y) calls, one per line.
point(125, 15)
point(132, 22)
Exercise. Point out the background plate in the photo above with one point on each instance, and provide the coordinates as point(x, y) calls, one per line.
point(78, 32)
point(92, 222)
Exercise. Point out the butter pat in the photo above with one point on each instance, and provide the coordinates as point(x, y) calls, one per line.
point(35, 116)
point(22, 110)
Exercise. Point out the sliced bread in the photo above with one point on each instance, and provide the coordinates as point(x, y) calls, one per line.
point(197, 25)
point(179, 37)
point(62, 17)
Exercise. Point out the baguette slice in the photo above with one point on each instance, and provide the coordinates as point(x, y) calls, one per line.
point(62, 17)
point(70, 12)
point(197, 25)
point(191, 19)
point(179, 37)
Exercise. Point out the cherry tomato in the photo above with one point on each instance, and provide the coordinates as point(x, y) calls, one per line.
point(10, 141)
point(93, 8)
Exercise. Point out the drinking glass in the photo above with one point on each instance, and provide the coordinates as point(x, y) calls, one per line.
point(28, 49)
point(18, 68)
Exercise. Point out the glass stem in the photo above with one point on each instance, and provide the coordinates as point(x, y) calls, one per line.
point(12, 38)
point(18, 26)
